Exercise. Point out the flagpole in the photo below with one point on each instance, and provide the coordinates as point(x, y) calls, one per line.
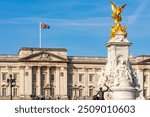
point(40, 36)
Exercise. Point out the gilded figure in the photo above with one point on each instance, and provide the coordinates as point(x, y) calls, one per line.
point(117, 13)
point(117, 10)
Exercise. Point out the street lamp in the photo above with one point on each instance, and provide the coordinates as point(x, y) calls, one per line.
point(11, 82)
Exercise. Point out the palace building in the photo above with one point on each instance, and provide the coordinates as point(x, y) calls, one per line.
point(51, 73)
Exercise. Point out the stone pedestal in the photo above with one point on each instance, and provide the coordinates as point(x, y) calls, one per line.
point(125, 91)
point(118, 73)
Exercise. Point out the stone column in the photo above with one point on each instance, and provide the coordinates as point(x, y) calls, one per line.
point(63, 81)
point(95, 82)
point(28, 82)
point(61, 78)
point(47, 82)
point(140, 78)
point(22, 81)
point(58, 92)
point(86, 78)
point(48, 77)
point(39, 81)
point(75, 78)
point(75, 82)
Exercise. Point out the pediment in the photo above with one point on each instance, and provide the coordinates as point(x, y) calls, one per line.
point(43, 56)
point(91, 86)
point(81, 86)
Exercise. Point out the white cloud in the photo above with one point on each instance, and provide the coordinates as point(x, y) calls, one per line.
point(23, 20)
point(104, 21)
point(137, 13)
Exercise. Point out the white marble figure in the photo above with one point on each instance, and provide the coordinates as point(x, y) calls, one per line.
point(122, 74)
point(125, 73)
point(135, 80)
point(116, 77)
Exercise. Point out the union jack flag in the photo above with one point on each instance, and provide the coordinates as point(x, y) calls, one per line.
point(45, 26)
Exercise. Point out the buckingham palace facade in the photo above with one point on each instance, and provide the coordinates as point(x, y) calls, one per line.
point(51, 73)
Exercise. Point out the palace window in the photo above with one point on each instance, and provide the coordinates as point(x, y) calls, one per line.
point(43, 76)
point(91, 77)
point(15, 75)
point(145, 92)
point(3, 76)
point(52, 92)
point(52, 77)
point(90, 92)
point(80, 77)
point(34, 84)
point(3, 92)
point(15, 92)
point(34, 77)
point(80, 92)
point(145, 78)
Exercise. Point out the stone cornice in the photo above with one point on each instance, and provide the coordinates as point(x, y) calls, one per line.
point(118, 44)
point(144, 62)
point(87, 62)
point(43, 49)
point(10, 61)
point(103, 62)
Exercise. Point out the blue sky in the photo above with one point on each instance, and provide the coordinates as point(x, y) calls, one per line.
point(80, 26)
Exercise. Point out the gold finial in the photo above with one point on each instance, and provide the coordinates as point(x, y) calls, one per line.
point(117, 19)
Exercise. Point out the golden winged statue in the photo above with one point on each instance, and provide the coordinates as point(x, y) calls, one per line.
point(117, 19)
point(117, 13)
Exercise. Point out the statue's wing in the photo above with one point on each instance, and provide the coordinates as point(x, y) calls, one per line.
point(113, 6)
point(123, 6)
